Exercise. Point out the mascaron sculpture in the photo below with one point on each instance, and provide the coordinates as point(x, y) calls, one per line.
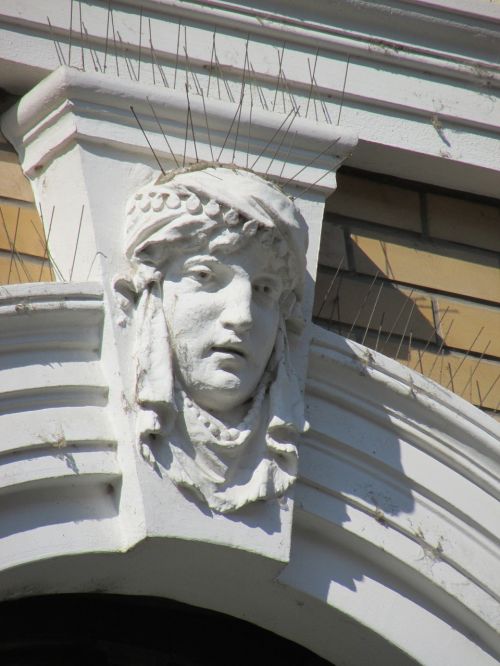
point(217, 266)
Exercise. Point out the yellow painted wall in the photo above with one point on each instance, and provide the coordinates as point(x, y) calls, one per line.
point(23, 252)
point(414, 272)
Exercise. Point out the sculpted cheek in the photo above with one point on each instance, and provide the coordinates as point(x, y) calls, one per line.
point(193, 317)
point(266, 328)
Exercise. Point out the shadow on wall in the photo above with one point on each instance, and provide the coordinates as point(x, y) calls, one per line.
point(356, 500)
point(351, 470)
point(434, 307)
point(372, 310)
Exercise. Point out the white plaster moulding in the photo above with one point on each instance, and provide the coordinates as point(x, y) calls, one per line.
point(207, 577)
point(40, 292)
point(444, 458)
point(392, 557)
point(39, 397)
point(438, 422)
point(63, 376)
point(52, 469)
point(450, 464)
point(478, 512)
point(68, 319)
point(62, 535)
point(392, 107)
point(52, 389)
point(325, 33)
point(432, 512)
point(70, 105)
point(433, 525)
point(52, 330)
point(57, 307)
point(314, 33)
point(431, 432)
point(85, 425)
point(454, 430)
point(474, 610)
point(307, 602)
point(56, 433)
point(483, 73)
point(480, 10)
point(10, 305)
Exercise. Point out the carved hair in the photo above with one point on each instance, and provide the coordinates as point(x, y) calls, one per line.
point(217, 208)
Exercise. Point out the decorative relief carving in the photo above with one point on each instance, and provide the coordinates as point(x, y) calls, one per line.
point(218, 262)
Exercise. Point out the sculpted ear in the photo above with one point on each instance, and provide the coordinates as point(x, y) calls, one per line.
point(129, 287)
point(124, 286)
point(125, 295)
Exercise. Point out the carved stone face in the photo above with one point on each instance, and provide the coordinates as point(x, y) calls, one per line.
point(225, 250)
point(222, 311)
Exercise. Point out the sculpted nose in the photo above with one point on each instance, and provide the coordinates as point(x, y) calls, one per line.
point(237, 312)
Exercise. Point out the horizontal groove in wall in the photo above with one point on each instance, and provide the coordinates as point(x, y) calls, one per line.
point(21, 228)
point(378, 484)
point(49, 467)
point(85, 425)
point(459, 272)
point(389, 345)
point(66, 510)
point(385, 546)
point(84, 340)
point(416, 186)
point(431, 290)
point(14, 185)
point(43, 397)
point(425, 240)
point(17, 269)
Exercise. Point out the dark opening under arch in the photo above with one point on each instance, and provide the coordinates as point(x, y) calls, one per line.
point(114, 630)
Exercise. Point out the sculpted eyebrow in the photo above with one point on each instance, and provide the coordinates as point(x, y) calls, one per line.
point(202, 258)
point(268, 277)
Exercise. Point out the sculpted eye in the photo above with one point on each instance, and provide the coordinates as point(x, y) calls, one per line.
point(200, 273)
point(265, 289)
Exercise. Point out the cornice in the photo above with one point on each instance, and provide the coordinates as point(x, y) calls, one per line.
point(71, 106)
point(423, 36)
point(449, 42)
point(423, 108)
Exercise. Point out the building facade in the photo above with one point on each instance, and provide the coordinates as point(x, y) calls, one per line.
point(384, 550)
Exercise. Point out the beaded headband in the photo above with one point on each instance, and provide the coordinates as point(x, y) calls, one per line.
point(195, 202)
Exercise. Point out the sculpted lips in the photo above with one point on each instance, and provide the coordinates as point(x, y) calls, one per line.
point(234, 349)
